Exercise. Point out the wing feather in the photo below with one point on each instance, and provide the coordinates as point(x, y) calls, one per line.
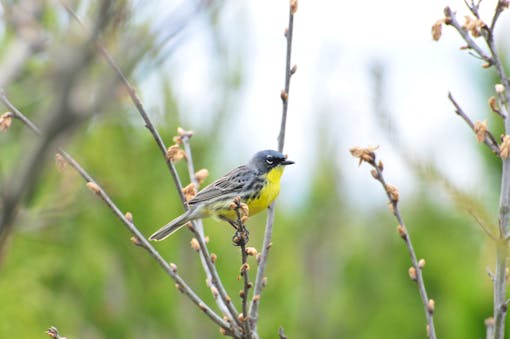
point(232, 182)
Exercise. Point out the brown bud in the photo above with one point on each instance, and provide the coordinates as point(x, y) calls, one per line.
point(284, 95)
point(244, 267)
point(489, 322)
point(493, 104)
point(437, 29)
point(135, 241)
point(480, 128)
point(257, 257)
point(223, 331)
point(364, 154)
point(201, 175)
point(380, 165)
point(251, 251)
point(245, 209)
point(177, 140)
point(421, 263)
point(412, 273)
point(5, 121)
point(214, 291)
point(241, 317)
point(393, 192)
point(202, 306)
point(499, 88)
point(195, 245)
point(173, 267)
point(256, 297)
point(94, 187)
point(241, 293)
point(374, 173)
point(181, 131)
point(504, 148)
point(486, 65)
point(244, 219)
point(264, 282)
point(402, 231)
point(129, 216)
point(293, 69)
point(214, 257)
point(293, 6)
point(431, 305)
point(174, 153)
point(189, 191)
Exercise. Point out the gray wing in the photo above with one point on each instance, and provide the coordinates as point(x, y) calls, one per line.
point(232, 182)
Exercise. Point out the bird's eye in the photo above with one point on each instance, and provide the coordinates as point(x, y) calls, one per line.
point(269, 160)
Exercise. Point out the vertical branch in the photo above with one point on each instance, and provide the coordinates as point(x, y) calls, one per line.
point(266, 244)
point(241, 239)
point(476, 27)
point(288, 73)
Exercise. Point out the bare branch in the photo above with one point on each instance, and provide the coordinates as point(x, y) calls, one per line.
point(224, 301)
point(138, 237)
point(136, 101)
point(266, 245)
point(368, 155)
point(489, 139)
point(452, 20)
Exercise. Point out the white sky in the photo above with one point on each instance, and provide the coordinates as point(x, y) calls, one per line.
point(335, 45)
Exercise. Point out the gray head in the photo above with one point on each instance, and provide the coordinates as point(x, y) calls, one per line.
point(266, 160)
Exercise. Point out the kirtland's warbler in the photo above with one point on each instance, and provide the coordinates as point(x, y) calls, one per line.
point(257, 184)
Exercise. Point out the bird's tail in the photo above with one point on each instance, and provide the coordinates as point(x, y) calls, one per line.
point(172, 226)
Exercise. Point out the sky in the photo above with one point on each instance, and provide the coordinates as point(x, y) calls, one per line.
point(335, 47)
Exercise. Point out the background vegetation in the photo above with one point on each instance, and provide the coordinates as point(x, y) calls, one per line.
point(337, 267)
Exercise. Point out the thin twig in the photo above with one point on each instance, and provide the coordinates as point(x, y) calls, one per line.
point(140, 240)
point(17, 114)
point(452, 20)
point(266, 244)
point(241, 239)
point(224, 301)
point(136, 101)
point(181, 285)
point(496, 325)
point(489, 139)
point(368, 155)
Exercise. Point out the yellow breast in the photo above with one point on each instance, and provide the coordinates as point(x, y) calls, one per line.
point(269, 192)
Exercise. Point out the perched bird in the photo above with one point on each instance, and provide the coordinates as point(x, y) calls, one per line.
point(257, 184)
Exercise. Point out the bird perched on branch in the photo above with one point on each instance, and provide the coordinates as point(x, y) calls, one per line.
point(257, 184)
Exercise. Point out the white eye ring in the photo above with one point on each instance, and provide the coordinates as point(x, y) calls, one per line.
point(269, 160)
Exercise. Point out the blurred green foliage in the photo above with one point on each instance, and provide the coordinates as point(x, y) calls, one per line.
point(336, 270)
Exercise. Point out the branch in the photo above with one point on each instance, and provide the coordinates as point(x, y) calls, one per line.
point(487, 136)
point(138, 238)
point(224, 302)
point(450, 19)
point(415, 272)
point(136, 101)
point(241, 239)
point(496, 325)
point(266, 245)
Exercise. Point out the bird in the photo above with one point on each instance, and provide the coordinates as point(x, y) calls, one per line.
point(257, 184)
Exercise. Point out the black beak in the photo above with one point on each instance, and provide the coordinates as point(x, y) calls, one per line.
point(287, 162)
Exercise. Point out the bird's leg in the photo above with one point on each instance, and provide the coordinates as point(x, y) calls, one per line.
point(241, 236)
